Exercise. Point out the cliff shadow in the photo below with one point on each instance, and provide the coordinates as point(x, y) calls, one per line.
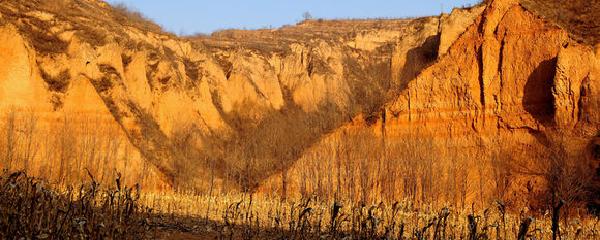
point(537, 94)
point(594, 201)
point(259, 150)
point(418, 59)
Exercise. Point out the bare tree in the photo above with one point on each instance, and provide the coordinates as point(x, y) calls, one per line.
point(66, 141)
point(11, 138)
point(31, 146)
point(501, 162)
point(567, 175)
point(307, 16)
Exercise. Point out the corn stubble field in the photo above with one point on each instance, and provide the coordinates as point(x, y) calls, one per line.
point(31, 209)
point(79, 194)
point(78, 200)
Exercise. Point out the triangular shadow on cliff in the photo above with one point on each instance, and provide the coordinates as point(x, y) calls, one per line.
point(258, 151)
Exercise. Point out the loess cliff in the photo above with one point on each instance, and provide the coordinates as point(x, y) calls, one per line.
point(185, 105)
point(324, 107)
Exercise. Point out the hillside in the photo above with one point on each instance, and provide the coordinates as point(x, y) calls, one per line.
point(184, 102)
point(479, 121)
point(579, 18)
point(267, 110)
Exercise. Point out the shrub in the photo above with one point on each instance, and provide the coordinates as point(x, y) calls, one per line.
point(59, 83)
point(133, 18)
point(42, 41)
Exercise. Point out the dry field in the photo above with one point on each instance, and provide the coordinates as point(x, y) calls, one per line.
point(97, 198)
point(30, 209)
point(249, 217)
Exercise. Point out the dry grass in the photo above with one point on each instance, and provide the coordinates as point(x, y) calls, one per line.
point(133, 18)
point(192, 70)
point(63, 151)
point(93, 22)
point(43, 41)
point(57, 85)
point(117, 15)
point(581, 18)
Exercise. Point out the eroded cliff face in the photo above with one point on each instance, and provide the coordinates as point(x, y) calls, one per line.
point(512, 74)
point(511, 80)
point(247, 103)
point(510, 71)
point(253, 109)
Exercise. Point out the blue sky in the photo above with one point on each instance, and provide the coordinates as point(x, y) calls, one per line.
point(206, 16)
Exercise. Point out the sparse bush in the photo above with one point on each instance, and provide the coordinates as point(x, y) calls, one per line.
point(109, 78)
point(126, 60)
point(133, 18)
point(356, 211)
point(42, 40)
point(58, 83)
point(192, 70)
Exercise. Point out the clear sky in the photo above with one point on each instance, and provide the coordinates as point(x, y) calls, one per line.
point(206, 16)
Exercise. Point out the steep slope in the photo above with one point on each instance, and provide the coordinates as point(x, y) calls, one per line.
point(54, 122)
point(510, 84)
point(578, 17)
point(246, 103)
point(510, 70)
point(514, 75)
